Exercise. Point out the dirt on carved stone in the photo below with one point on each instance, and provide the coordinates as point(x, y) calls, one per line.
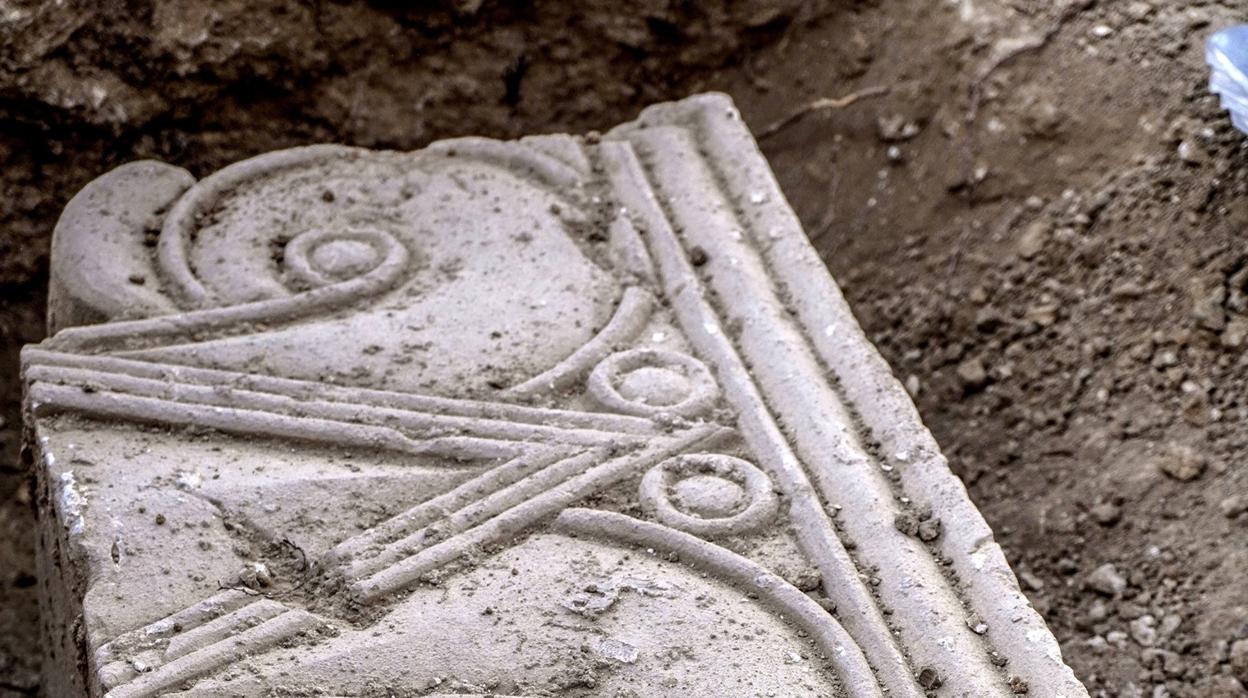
point(1046, 192)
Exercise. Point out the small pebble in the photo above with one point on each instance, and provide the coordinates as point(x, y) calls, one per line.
point(1098, 612)
point(1234, 505)
point(929, 678)
point(1031, 242)
point(1182, 462)
point(1106, 513)
point(1144, 630)
point(1238, 657)
point(1106, 580)
point(1191, 154)
point(929, 530)
point(973, 374)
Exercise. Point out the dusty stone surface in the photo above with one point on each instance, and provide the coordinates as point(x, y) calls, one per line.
point(1078, 133)
point(557, 416)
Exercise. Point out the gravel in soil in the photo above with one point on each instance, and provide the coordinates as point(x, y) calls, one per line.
point(1034, 208)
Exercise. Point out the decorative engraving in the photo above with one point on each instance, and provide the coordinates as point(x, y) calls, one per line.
point(708, 494)
point(616, 349)
point(520, 507)
point(325, 256)
point(681, 169)
point(440, 308)
point(835, 644)
point(841, 579)
point(629, 318)
point(650, 382)
point(194, 642)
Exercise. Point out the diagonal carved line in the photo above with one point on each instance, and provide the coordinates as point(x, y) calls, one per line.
point(422, 515)
point(931, 616)
point(475, 513)
point(214, 656)
point(413, 424)
point(221, 628)
point(206, 636)
point(170, 329)
point(813, 528)
point(161, 630)
point(307, 390)
point(225, 614)
point(190, 640)
point(628, 320)
point(525, 514)
point(530, 475)
point(47, 398)
point(879, 404)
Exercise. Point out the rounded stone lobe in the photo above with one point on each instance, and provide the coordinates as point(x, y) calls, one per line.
point(344, 258)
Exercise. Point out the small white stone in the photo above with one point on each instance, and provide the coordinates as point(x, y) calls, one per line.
point(190, 479)
point(912, 385)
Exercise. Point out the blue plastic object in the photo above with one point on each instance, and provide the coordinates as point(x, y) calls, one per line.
point(1226, 52)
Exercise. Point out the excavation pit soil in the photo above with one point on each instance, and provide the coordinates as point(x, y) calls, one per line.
point(1035, 211)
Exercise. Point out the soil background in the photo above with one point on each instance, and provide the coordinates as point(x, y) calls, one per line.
point(1035, 208)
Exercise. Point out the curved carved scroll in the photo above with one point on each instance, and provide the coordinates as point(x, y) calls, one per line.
point(783, 598)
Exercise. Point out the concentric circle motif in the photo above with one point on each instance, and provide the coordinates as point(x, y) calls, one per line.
point(324, 256)
point(650, 382)
point(708, 494)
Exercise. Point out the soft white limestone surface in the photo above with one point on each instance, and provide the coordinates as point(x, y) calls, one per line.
point(560, 416)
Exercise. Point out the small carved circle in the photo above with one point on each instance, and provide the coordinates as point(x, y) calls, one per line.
point(708, 494)
point(655, 385)
point(343, 259)
point(649, 382)
point(322, 257)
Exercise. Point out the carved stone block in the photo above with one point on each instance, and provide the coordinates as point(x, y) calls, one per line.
point(561, 416)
